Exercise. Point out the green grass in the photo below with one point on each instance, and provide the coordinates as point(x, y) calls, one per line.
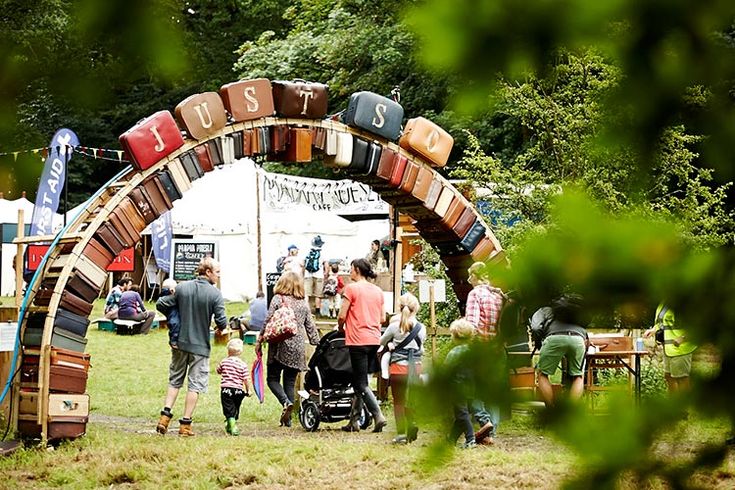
point(127, 384)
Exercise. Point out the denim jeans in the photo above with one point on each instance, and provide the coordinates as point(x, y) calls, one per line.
point(462, 424)
point(285, 393)
point(484, 415)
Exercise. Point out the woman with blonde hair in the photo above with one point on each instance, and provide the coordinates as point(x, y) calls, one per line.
point(288, 356)
point(404, 338)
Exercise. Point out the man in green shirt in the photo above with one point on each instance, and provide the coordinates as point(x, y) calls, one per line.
point(678, 349)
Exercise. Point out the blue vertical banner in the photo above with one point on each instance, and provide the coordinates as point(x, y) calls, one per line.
point(161, 234)
point(52, 181)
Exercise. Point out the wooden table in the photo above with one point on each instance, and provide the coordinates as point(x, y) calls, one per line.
point(615, 360)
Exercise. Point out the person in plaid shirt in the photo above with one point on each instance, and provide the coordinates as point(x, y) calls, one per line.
point(484, 303)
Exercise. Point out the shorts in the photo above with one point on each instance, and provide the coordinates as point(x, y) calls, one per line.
point(313, 287)
point(572, 347)
point(678, 366)
point(197, 367)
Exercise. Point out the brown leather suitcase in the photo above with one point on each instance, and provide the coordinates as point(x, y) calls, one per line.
point(202, 152)
point(409, 177)
point(299, 146)
point(464, 222)
point(156, 195)
point(201, 115)
point(75, 304)
point(248, 99)
point(423, 183)
point(70, 359)
point(300, 98)
point(43, 297)
point(28, 402)
point(279, 138)
point(456, 208)
point(254, 141)
point(427, 140)
point(97, 253)
point(29, 369)
point(67, 379)
point(123, 228)
point(319, 139)
point(80, 285)
point(142, 205)
point(110, 238)
point(134, 216)
point(247, 142)
point(484, 249)
point(66, 427)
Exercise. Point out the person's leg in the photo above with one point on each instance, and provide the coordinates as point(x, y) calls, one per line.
point(463, 423)
point(171, 395)
point(237, 397)
point(547, 392)
point(198, 382)
point(149, 317)
point(577, 388)
point(190, 403)
point(273, 378)
point(398, 388)
point(576, 351)
point(289, 382)
point(680, 367)
point(176, 374)
point(550, 354)
point(359, 357)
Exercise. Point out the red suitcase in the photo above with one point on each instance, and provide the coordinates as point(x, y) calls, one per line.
point(201, 115)
point(399, 167)
point(248, 99)
point(464, 223)
point(67, 379)
point(152, 139)
point(386, 164)
point(202, 152)
point(300, 99)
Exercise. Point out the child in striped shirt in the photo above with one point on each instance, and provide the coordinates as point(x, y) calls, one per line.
point(235, 377)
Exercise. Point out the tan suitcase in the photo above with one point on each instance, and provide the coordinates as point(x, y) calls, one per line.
point(92, 271)
point(455, 210)
point(201, 115)
point(423, 183)
point(179, 176)
point(409, 177)
point(68, 405)
point(427, 140)
point(445, 199)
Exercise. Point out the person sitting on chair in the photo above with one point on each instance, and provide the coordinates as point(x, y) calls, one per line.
point(132, 308)
point(112, 302)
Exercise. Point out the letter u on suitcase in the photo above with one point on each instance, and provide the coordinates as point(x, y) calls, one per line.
point(201, 115)
point(152, 139)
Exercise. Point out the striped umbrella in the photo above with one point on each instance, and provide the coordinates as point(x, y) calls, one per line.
point(257, 375)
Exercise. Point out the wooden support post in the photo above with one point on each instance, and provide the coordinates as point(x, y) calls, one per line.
point(19, 262)
point(432, 317)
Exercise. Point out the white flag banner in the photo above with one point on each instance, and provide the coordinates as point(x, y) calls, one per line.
point(283, 192)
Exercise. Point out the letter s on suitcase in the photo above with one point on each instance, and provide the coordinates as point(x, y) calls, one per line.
point(374, 113)
point(300, 99)
point(248, 99)
point(152, 139)
point(427, 140)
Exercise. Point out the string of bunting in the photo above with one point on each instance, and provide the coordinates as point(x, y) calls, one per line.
point(87, 151)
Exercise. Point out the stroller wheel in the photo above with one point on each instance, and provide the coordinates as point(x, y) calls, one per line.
point(365, 418)
point(309, 416)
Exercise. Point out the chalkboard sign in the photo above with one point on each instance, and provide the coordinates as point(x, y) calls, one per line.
point(271, 278)
point(186, 256)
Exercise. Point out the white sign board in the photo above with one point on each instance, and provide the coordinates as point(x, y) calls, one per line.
point(8, 336)
point(440, 293)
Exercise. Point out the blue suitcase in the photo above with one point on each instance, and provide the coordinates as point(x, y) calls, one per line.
point(374, 113)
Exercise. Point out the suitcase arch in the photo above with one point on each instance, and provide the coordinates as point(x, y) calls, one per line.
point(165, 163)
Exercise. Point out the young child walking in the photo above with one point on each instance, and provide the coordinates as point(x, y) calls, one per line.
point(235, 377)
point(174, 321)
point(462, 333)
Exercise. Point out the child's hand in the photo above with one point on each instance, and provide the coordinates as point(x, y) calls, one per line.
point(247, 394)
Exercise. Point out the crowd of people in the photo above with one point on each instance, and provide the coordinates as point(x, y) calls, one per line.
point(371, 338)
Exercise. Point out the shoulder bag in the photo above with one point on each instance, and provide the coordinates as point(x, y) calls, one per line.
point(281, 325)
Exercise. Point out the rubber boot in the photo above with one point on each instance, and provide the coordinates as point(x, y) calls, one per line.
point(163, 422)
point(185, 428)
point(228, 425)
point(354, 424)
point(232, 427)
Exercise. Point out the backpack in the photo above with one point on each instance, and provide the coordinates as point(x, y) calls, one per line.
point(279, 263)
point(330, 286)
point(311, 264)
point(538, 325)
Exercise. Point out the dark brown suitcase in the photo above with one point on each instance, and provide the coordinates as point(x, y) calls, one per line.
point(98, 254)
point(67, 379)
point(43, 297)
point(299, 146)
point(409, 176)
point(110, 238)
point(387, 162)
point(423, 183)
point(75, 304)
point(82, 286)
point(236, 145)
point(202, 152)
point(279, 138)
point(157, 196)
point(70, 359)
point(123, 228)
point(143, 205)
point(464, 223)
point(300, 98)
point(66, 427)
point(29, 369)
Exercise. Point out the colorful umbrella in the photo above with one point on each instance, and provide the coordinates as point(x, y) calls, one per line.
point(257, 375)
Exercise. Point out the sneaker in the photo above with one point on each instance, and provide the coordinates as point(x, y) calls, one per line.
point(400, 439)
point(286, 415)
point(488, 441)
point(483, 432)
point(468, 445)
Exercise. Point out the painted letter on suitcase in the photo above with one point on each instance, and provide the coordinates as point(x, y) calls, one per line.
point(425, 139)
point(300, 99)
point(375, 113)
point(202, 115)
point(248, 99)
point(152, 139)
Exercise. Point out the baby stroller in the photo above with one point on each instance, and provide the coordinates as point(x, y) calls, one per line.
point(327, 394)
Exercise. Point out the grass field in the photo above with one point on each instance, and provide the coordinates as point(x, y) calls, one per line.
point(121, 449)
